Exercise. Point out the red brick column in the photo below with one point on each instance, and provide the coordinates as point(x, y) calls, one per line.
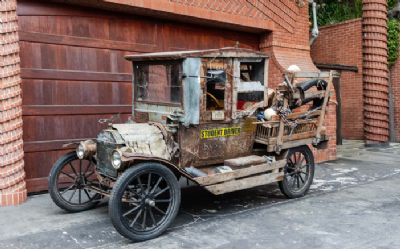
point(375, 72)
point(12, 184)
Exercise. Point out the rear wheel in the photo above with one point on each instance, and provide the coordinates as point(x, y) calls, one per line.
point(69, 182)
point(144, 201)
point(298, 172)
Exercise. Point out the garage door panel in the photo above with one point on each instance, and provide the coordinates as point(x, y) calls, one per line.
point(110, 28)
point(133, 30)
point(62, 92)
point(51, 127)
point(183, 36)
point(61, 57)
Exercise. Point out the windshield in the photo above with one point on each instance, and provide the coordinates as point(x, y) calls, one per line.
point(158, 83)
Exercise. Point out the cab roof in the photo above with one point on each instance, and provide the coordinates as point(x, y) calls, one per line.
point(228, 52)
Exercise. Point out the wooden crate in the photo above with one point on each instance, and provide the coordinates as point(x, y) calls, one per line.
point(267, 133)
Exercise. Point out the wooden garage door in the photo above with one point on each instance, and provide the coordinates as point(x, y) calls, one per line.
point(74, 73)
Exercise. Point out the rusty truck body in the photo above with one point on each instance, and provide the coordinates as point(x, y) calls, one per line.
point(207, 116)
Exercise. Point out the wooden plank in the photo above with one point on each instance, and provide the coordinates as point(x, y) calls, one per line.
point(291, 144)
point(303, 137)
point(298, 136)
point(51, 74)
point(86, 42)
point(296, 115)
point(245, 161)
point(48, 110)
point(279, 140)
point(245, 183)
point(269, 124)
point(240, 173)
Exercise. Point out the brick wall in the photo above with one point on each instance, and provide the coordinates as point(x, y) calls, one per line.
point(395, 83)
point(342, 44)
point(328, 153)
point(12, 184)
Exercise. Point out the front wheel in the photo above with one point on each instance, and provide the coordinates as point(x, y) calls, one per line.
point(298, 172)
point(69, 183)
point(144, 201)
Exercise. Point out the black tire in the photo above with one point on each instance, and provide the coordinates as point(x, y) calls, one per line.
point(64, 183)
point(298, 172)
point(136, 193)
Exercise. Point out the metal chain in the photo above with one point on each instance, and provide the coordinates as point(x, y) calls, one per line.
point(284, 113)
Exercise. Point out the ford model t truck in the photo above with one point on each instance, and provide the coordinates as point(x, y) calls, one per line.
point(205, 115)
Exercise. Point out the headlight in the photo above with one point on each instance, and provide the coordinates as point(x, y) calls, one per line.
point(116, 160)
point(80, 151)
point(86, 149)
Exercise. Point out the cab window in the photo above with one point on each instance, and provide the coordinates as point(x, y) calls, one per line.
point(251, 84)
point(216, 80)
point(159, 83)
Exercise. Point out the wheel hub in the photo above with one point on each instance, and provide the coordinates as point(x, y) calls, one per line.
point(149, 202)
point(80, 181)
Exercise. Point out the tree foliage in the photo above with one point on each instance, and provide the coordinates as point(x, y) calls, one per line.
point(391, 3)
point(335, 11)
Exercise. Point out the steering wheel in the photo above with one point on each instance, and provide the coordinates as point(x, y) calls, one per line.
point(216, 101)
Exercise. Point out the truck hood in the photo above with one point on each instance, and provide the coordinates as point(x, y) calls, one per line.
point(146, 139)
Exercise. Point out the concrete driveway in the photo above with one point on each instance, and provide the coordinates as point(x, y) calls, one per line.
point(353, 203)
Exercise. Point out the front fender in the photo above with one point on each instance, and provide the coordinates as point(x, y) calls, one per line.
point(130, 159)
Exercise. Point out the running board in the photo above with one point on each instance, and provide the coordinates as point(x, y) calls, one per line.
point(249, 177)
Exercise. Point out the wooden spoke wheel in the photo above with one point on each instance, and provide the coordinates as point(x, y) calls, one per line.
point(144, 201)
point(298, 172)
point(69, 183)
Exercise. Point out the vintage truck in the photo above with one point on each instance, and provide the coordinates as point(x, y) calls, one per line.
point(207, 116)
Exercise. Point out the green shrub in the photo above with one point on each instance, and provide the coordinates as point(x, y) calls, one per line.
point(393, 41)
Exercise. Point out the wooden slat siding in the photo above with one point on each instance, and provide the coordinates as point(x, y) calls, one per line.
point(73, 56)
point(49, 110)
point(63, 92)
point(51, 74)
point(57, 127)
point(85, 42)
